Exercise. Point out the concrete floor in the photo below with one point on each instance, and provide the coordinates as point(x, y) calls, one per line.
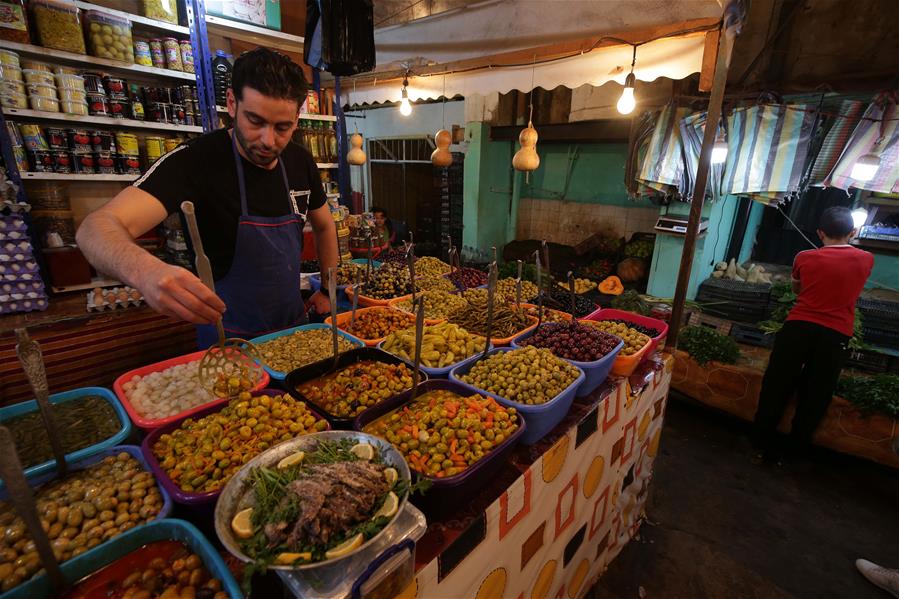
point(719, 526)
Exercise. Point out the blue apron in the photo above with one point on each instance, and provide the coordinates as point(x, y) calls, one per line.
point(262, 288)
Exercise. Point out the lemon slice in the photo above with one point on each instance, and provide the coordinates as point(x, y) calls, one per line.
point(291, 460)
point(363, 451)
point(390, 474)
point(390, 506)
point(287, 559)
point(241, 524)
point(346, 547)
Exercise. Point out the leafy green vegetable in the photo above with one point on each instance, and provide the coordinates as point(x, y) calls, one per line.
point(708, 345)
point(631, 301)
point(877, 394)
point(786, 299)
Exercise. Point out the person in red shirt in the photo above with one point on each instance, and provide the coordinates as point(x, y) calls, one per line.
point(813, 344)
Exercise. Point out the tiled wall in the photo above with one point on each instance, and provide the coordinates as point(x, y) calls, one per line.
point(570, 223)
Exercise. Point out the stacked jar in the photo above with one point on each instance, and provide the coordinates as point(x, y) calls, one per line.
point(13, 93)
point(176, 105)
point(165, 53)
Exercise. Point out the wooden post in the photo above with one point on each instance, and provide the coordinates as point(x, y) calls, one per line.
point(726, 43)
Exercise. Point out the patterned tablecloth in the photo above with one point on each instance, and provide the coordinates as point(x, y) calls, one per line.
point(551, 521)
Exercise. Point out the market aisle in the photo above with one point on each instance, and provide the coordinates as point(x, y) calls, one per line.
point(722, 527)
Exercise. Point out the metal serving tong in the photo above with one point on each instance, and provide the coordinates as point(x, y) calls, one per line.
point(233, 355)
point(419, 333)
point(491, 295)
point(332, 299)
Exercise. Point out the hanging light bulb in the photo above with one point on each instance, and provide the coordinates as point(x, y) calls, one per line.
point(627, 102)
point(865, 167)
point(859, 217)
point(405, 104)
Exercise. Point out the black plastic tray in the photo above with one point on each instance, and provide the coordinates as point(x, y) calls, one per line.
point(751, 335)
point(447, 494)
point(319, 369)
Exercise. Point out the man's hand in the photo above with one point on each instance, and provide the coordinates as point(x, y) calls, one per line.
point(320, 303)
point(177, 292)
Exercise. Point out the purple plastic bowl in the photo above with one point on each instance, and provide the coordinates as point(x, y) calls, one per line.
point(447, 494)
point(540, 418)
point(184, 497)
point(595, 372)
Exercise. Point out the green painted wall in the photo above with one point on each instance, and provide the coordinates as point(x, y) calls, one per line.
point(710, 249)
point(596, 173)
point(487, 189)
point(752, 229)
point(885, 273)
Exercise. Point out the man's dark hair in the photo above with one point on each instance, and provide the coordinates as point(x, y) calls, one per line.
point(836, 222)
point(379, 209)
point(271, 74)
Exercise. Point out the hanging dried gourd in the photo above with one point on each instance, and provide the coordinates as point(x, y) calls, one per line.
point(442, 157)
point(526, 159)
point(356, 155)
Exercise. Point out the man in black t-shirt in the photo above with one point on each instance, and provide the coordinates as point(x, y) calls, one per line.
point(252, 189)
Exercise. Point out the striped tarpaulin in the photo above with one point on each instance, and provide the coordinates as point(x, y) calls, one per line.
point(848, 115)
point(663, 164)
point(877, 132)
point(692, 132)
point(95, 350)
point(767, 150)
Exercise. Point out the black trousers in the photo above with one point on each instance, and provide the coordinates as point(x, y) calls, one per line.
point(806, 360)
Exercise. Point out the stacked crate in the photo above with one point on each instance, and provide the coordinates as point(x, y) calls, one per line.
point(450, 190)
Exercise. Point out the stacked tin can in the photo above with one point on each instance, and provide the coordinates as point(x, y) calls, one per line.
point(176, 105)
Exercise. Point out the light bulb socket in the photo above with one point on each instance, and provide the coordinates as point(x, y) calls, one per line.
point(631, 80)
point(405, 95)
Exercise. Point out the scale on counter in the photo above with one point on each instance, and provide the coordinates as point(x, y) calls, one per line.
point(677, 225)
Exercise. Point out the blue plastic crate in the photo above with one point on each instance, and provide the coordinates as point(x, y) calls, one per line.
point(540, 418)
point(595, 372)
point(25, 407)
point(277, 375)
point(106, 553)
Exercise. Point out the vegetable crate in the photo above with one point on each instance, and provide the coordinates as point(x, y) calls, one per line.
point(751, 335)
point(744, 302)
point(870, 361)
point(721, 325)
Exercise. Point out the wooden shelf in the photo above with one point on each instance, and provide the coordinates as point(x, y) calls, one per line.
point(877, 245)
point(154, 24)
point(29, 176)
point(99, 120)
point(302, 117)
point(326, 165)
point(253, 34)
point(92, 62)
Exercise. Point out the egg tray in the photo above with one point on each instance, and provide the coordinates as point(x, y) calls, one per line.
point(16, 207)
point(118, 303)
point(27, 305)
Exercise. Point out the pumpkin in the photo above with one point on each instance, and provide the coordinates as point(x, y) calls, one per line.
point(526, 159)
point(611, 286)
point(356, 155)
point(442, 157)
point(631, 270)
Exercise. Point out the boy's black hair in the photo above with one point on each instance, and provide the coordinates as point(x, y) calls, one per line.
point(379, 209)
point(836, 222)
point(271, 74)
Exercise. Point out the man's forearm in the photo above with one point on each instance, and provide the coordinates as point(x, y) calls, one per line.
point(109, 247)
point(326, 247)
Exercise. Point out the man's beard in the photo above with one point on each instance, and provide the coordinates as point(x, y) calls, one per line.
point(251, 154)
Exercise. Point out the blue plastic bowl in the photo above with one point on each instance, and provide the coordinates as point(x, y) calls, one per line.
point(595, 372)
point(277, 375)
point(441, 373)
point(541, 418)
point(25, 407)
point(40, 585)
point(106, 553)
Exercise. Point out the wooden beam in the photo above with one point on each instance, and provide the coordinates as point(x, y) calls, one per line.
point(709, 57)
point(725, 45)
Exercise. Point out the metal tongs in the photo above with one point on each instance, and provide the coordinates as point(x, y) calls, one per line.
point(518, 285)
point(491, 293)
point(540, 290)
point(32, 360)
point(332, 298)
point(355, 299)
point(419, 333)
point(23, 500)
point(410, 261)
point(573, 298)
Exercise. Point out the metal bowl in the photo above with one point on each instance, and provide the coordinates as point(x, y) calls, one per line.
point(238, 494)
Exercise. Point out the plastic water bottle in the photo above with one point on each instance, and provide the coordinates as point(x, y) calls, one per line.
point(221, 77)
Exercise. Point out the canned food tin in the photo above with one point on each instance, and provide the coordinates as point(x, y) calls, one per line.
point(102, 141)
point(56, 138)
point(85, 163)
point(187, 56)
point(62, 161)
point(188, 92)
point(142, 54)
point(137, 110)
point(128, 165)
point(176, 114)
point(33, 137)
point(155, 148)
point(116, 88)
point(126, 143)
point(93, 84)
point(172, 54)
point(119, 108)
point(79, 141)
point(105, 163)
point(41, 161)
point(159, 112)
point(157, 54)
point(190, 119)
point(171, 143)
point(97, 104)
